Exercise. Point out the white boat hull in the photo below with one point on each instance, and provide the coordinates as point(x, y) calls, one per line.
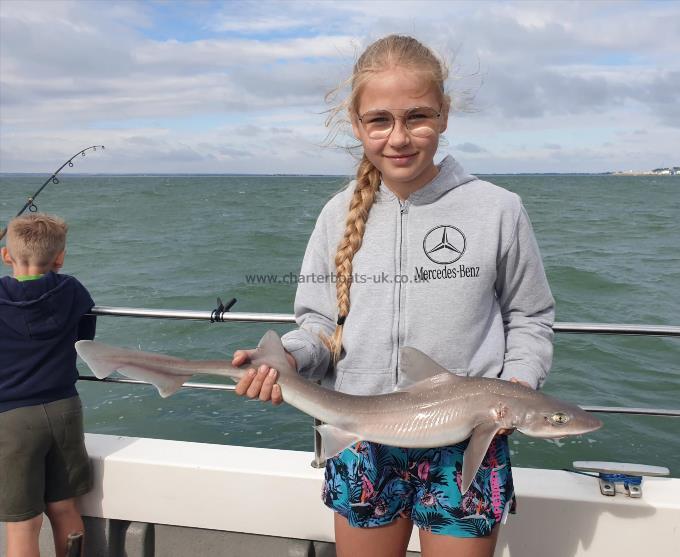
point(269, 492)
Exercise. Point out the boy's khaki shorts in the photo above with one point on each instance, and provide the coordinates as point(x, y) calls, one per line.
point(42, 458)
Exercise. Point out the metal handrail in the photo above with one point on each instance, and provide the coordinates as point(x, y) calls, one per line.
point(566, 327)
point(617, 329)
point(194, 315)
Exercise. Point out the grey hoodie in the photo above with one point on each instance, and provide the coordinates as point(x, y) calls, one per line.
point(453, 271)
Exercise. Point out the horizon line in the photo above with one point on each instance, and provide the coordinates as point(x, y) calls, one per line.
point(293, 174)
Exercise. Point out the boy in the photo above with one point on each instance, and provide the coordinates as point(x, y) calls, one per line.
point(43, 461)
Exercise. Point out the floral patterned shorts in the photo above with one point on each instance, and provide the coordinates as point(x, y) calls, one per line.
point(372, 485)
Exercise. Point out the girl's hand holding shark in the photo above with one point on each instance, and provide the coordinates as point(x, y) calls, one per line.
point(259, 383)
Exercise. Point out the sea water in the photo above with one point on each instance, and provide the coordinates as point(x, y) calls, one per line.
point(611, 247)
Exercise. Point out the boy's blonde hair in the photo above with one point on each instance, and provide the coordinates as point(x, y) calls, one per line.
point(393, 51)
point(36, 239)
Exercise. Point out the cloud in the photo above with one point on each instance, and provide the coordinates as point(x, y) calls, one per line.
point(261, 24)
point(207, 84)
point(470, 148)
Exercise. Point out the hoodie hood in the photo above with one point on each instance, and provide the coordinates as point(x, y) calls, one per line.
point(35, 308)
point(450, 176)
point(40, 320)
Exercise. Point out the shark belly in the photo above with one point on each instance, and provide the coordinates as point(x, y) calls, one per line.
point(433, 427)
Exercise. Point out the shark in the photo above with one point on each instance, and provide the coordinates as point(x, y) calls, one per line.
point(430, 407)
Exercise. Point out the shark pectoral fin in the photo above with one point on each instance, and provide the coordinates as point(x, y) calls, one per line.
point(417, 367)
point(479, 443)
point(334, 440)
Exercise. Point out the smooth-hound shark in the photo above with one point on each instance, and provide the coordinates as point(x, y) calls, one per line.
point(431, 407)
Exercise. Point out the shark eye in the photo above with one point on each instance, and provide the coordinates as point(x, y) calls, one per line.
point(559, 418)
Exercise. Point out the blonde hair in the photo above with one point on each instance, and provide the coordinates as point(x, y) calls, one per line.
point(389, 52)
point(36, 238)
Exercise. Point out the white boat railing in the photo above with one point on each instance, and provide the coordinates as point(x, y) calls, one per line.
point(226, 316)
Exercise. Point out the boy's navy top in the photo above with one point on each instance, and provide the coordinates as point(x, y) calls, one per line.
point(40, 321)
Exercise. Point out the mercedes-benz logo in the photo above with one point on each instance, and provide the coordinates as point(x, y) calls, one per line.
point(444, 244)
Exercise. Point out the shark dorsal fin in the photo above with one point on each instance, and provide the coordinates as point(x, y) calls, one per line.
point(417, 367)
point(270, 351)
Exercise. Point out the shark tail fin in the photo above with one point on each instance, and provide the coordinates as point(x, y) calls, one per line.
point(103, 360)
point(93, 353)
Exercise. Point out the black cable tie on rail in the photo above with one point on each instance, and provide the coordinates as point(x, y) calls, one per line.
point(217, 315)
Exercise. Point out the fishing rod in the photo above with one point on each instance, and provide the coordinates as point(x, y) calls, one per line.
point(30, 204)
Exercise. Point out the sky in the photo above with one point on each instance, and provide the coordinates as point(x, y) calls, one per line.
point(239, 86)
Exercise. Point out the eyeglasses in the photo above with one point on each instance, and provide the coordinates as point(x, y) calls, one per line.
point(420, 121)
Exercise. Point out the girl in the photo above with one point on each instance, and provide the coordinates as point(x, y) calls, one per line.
point(424, 255)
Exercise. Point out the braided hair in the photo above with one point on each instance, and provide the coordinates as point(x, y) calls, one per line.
point(384, 54)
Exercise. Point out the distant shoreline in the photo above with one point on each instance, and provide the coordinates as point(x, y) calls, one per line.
point(641, 174)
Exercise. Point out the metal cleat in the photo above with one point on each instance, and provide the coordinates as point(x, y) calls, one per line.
point(626, 475)
point(607, 488)
point(633, 490)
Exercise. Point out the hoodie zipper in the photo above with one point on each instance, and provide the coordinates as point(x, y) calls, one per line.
point(403, 211)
